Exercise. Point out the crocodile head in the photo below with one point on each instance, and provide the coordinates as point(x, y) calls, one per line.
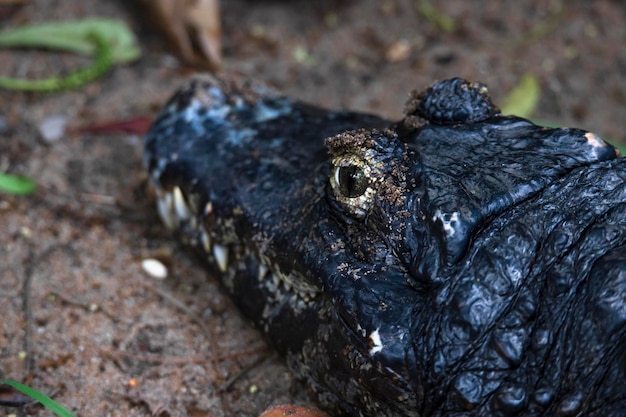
point(458, 262)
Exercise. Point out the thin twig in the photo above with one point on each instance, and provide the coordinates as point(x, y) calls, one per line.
point(231, 381)
point(89, 307)
point(170, 298)
point(173, 360)
point(28, 314)
point(30, 265)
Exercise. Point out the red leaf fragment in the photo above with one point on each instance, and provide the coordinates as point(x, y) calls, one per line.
point(137, 125)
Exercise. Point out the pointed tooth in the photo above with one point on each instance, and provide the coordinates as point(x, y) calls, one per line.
point(206, 241)
point(182, 211)
point(262, 271)
point(164, 208)
point(221, 256)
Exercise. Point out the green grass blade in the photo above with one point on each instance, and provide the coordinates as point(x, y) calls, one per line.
point(101, 64)
point(12, 184)
point(46, 401)
point(74, 36)
point(442, 21)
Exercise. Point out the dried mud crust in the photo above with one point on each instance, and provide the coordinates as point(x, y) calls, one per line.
point(107, 340)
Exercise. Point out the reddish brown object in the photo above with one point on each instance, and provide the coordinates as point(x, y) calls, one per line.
point(293, 411)
point(9, 7)
point(193, 28)
point(136, 125)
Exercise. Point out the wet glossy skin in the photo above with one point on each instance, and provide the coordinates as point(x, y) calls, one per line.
point(455, 263)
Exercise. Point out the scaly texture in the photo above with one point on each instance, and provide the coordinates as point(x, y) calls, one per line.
point(466, 265)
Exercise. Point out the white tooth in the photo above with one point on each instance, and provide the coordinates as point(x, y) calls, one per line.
point(180, 205)
point(206, 241)
point(262, 271)
point(221, 256)
point(164, 208)
point(208, 209)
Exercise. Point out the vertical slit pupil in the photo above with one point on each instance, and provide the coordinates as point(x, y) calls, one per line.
point(352, 181)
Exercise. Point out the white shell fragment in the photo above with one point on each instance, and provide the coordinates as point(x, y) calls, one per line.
point(52, 128)
point(221, 257)
point(154, 268)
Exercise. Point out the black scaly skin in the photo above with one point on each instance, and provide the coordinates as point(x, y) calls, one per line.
point(483, 275)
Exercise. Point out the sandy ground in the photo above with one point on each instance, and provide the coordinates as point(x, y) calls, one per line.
point(81, 321)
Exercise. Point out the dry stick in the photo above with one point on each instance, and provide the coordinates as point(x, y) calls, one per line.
point(117, 355)
point(90, 308)
point(172, 360)
point(170, 298)
point(29, 270)
point(231, 381)
point(28, 314)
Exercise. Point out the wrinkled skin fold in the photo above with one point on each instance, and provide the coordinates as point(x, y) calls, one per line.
point(454, 263)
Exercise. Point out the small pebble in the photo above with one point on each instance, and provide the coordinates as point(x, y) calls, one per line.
point(398, 51)
point(154, 268)
point(52, 128)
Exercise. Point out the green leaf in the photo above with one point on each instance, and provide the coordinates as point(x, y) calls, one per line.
point(442, 21)
point(523, 99)
point(109, 41)
point(101, 64)
point(47, 402)
point(75, 36)
point(11, 184)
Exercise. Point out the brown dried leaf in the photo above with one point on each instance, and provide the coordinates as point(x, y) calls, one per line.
point(192, 27)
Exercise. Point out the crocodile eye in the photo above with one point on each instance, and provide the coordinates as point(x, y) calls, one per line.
point(351, 181)
point(353, 185)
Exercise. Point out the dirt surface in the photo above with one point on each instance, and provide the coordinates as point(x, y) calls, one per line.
point(82, 321)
